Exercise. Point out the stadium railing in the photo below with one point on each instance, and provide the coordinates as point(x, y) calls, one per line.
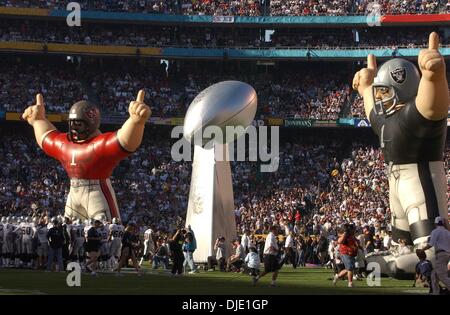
point(324, 47)
point(214, 53)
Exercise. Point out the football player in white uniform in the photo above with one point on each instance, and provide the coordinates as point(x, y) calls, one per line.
point(27, 241)
point(116, 231)
point(104, 247)
point(78, 239)
point(8, 237)
point(17, 251)
point(149, 246)
point(87, 225)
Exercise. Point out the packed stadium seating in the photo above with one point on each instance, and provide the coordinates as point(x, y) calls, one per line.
point(295, 92)
point(248, 7)
point(60, 86)
point(170, 36)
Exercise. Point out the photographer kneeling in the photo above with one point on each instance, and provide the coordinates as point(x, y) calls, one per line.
point(236, 260)
point(348, 249)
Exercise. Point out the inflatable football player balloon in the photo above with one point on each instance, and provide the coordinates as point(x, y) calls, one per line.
point(409, 115)
point(87, 155)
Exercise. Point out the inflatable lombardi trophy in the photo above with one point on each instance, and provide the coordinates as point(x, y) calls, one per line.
point(210, 210)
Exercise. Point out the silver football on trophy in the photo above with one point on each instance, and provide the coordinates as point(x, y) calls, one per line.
point(227, 103)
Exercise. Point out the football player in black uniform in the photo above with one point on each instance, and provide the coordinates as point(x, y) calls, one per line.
point(409, 115)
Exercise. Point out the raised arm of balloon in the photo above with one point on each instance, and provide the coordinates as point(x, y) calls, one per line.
point(409, 115)
point(211, 203)
point(87, 155)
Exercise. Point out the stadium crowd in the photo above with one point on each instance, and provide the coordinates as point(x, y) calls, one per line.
point(359, 7)
point(222, 8)
point(166, 36)
point(357, 108)
point(356, 38)
point(58, 84)
point(304, 95)
point(130, 35)
point(298, 93)
point(249, 7)
point(304, 8)
point(134, 6)
point(403, 7)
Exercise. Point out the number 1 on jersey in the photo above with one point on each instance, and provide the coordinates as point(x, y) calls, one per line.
point(74, 152)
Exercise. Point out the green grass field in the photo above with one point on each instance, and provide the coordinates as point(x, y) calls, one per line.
point(290, 281)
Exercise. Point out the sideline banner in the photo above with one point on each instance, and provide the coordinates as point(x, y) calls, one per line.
point(415, 18)
point(275, 121)
point(24, 11)
point(299, 123)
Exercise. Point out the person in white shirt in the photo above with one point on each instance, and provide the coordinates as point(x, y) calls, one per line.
point(290, 251)
point(235, 261)
point(253, 262)
point(220, 257)
point(387, 241)
point(285, 226)
point(116, 231)
point(149, 246)
point(245, 241)
point(271, 251)
point(440, 240)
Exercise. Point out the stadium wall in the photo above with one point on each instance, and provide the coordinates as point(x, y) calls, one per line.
point(343, 54)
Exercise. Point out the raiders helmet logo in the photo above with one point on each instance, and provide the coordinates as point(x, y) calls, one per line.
point(399, 75)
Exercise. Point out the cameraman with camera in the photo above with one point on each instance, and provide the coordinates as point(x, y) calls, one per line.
point(348, 249)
